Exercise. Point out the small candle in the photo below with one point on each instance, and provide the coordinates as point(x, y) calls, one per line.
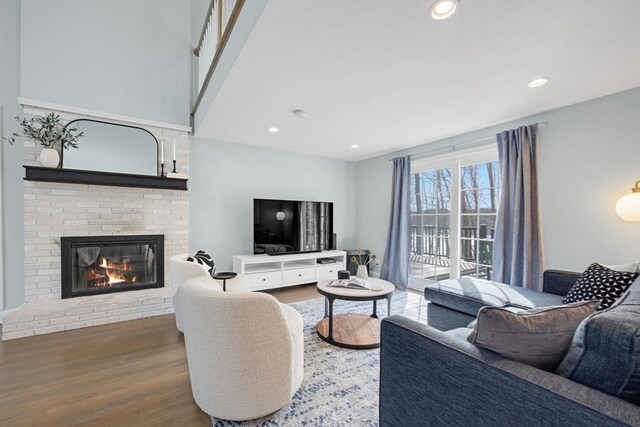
point(174, 148)
point(161, 151)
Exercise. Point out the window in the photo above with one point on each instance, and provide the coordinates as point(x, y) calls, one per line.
point(454, 201)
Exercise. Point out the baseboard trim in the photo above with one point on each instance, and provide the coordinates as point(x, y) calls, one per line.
point(5, 313)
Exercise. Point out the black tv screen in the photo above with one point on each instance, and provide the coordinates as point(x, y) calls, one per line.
point(290, 226)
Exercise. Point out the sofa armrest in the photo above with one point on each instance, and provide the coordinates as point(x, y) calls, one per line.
point(558, 281)
point(430, 378)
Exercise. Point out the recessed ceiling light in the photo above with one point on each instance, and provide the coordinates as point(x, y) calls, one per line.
point(442, 9)
point(273, 129)
point(539, 82)
point(355, 146)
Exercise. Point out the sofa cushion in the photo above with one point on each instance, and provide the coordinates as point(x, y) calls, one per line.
point(459, 333)
point(445, 319)
point(605, 351)
point(539, 337)
point(468, 295)
point(602, 284)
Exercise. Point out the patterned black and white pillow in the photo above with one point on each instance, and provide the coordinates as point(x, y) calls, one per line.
point(600, 283)
point(205, 260)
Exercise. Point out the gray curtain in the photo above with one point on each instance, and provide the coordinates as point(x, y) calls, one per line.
point(517, 248)
point(395, 266)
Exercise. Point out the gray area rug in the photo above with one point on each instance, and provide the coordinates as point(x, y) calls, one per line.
point(340, 386)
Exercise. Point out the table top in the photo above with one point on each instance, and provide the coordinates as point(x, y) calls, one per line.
point(224, 275)
point(382, 288)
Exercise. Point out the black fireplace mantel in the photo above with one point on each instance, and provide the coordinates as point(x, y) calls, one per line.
point(76, 176)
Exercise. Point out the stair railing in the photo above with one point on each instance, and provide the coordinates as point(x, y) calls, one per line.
point(219, 21)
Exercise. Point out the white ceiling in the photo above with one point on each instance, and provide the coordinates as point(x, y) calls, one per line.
point(384, 75)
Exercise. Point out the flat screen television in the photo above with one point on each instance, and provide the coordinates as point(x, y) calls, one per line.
point(291, 226)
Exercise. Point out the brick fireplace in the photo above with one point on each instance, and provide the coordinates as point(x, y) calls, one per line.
point(55, 211)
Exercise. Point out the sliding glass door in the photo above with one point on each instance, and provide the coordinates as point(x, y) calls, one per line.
point(430, 224)
point(480, 187)
point(454, 203)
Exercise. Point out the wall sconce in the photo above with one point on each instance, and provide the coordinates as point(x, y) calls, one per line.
point(280, 216)
point(628, 206)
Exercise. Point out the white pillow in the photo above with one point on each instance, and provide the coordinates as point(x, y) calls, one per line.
point(633, 267)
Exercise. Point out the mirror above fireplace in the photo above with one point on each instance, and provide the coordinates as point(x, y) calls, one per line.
point(110, 147)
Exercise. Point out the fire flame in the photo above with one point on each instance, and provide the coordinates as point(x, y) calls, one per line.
point(116, 272)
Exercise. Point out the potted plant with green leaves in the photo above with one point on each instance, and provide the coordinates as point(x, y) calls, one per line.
point(49, 132)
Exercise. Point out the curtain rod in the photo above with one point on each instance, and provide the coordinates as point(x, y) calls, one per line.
point(456, 147)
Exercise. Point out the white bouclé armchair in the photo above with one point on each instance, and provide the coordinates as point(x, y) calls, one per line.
point(182, 270)
point(245, 350)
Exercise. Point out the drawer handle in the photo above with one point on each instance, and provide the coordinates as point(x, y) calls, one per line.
point(330, 271)
point(264, 279)
point(299, 275)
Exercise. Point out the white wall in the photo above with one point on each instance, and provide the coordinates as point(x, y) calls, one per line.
point(127, 57)
point(226, 177)
point(589, 156)
point(11, 164)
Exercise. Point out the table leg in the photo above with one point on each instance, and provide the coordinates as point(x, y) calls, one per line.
point(224, 285)
point(389, 305)
point(375, 308)
point(326, 307)
point(330, 337)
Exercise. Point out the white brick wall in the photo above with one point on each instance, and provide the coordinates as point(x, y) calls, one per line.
point(53, 210)
point(60, 315)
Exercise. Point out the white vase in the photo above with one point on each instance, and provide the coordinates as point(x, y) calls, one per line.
point(362, 272)
point(49, 158)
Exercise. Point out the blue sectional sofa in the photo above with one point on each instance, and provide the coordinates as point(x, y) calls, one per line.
point(455, 303)
point(430, 377)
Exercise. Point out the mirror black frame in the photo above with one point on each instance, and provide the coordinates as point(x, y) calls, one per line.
point(113, 124)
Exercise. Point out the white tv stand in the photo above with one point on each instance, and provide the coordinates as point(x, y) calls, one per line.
point(268, 272)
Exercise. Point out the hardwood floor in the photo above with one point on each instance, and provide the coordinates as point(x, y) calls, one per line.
point(125, 374)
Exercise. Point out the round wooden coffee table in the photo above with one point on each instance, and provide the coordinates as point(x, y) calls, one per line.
point(357, 331)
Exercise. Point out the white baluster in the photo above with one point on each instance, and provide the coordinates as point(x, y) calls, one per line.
point(217, 20)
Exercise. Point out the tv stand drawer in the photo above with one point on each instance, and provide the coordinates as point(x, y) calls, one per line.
point(259, 280)
point(299, 275)
point(328, 271)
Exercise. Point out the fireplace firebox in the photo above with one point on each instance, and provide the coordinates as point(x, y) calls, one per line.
point(94, 265)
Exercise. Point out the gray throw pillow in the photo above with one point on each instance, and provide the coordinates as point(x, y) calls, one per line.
point(605, 352)
point(539, 337)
